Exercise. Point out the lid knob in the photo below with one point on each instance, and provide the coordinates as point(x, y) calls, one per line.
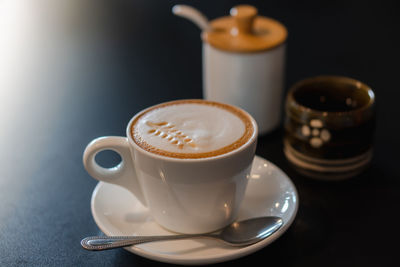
point(244, 16)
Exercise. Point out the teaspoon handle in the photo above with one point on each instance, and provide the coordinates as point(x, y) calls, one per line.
point(110, 242)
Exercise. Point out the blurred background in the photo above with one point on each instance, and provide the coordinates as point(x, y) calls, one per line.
point(63, 64)
point(72, 70)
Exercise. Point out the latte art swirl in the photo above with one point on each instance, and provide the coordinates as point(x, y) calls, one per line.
point(192, 129)
point(168, 131)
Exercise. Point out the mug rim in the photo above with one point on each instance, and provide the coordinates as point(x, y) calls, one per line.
point(248, 143)
point(293, 103)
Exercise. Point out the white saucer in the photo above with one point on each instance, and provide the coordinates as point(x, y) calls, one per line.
point(270, 192)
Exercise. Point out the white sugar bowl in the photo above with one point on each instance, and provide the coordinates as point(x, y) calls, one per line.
point(243, 61)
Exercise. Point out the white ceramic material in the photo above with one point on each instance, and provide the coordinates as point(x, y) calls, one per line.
point(269, 193)
point(252, 81)
point(183, 195)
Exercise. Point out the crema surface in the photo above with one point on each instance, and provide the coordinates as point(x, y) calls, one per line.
point(191, 129)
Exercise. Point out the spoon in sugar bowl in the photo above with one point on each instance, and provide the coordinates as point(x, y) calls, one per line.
point(242, 233)
point(193, 15)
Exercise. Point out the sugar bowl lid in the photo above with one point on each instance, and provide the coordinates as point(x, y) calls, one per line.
point(244, 31)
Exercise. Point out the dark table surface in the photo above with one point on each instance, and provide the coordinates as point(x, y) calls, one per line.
point(74, 70)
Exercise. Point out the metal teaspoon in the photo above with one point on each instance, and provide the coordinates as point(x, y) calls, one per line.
point(240, 233)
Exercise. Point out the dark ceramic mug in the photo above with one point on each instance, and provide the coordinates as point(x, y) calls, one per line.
point(329, 127)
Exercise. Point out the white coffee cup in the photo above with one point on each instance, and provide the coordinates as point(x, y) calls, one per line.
point(186, 195)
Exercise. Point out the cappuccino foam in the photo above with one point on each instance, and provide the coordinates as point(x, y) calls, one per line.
point(191, 129)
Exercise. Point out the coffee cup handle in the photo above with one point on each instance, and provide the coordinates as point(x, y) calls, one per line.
point(123, 174)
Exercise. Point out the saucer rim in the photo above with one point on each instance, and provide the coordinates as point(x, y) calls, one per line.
point(211, 259)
